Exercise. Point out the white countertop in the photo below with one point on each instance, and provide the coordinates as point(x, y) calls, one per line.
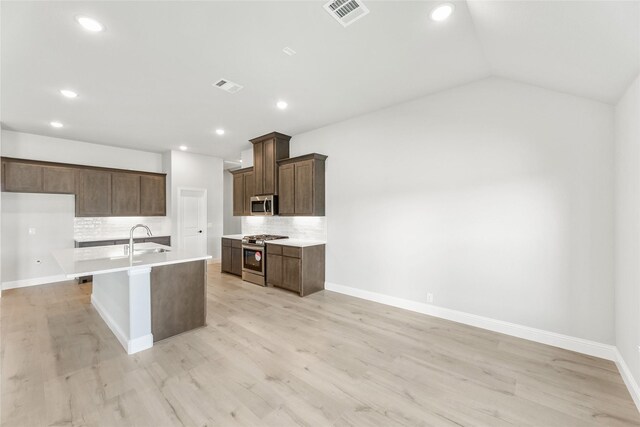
point(296, 242)
point(106, 238)
point(233, 236)
point(109, 259)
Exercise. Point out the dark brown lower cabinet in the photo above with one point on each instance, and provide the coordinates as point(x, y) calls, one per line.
point(296, 269)
point(232, 256)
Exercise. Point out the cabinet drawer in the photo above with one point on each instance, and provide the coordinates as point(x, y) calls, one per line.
point(274, 249)
point(226, 242)
point(236, 243)
point(291, 251)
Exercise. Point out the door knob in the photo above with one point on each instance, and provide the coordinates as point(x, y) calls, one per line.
point(199, 231)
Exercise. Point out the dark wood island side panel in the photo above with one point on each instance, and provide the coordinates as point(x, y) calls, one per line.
point(178, 298)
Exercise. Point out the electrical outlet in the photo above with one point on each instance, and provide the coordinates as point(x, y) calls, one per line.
point(32, 231)
point(430, 298)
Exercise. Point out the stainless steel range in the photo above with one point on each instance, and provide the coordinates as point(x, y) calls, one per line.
point(253, 257)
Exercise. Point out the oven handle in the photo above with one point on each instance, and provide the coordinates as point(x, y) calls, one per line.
point(253, 247)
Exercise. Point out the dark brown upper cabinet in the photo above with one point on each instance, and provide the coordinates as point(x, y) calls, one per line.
point(57, 179)
point(94, 195)
point(267, 150)
point(153, 195)
point(302, 186)
point(243, 190)
point(22, 177)
point(125, 194)
point(98, 191)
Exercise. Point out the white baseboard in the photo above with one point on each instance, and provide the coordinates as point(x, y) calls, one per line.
point(130, 345)
point(628, 379)
point(214, 261)
point(119, 333)
point(141, 343)
point(34, 282)
point(580, 345)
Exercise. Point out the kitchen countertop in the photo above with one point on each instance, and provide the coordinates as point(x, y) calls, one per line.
point(109, 259)
point(296, 242)
point(107, 238)
point(233, 236)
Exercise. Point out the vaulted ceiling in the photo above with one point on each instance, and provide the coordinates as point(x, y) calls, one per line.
point(146, 82)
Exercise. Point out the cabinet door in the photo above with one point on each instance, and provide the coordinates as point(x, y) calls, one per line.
point(304, 188)
point(269, 166)
point(238, 195)
point(249, 191)
point(95, 193)
point(153, 195)
point(125, 194)
point(286, 190)
point(58, 180)
point(258, 167)
point(22, 177)
point(274, 270)
point(226, 259)
point(291, 277)
point(236, 261)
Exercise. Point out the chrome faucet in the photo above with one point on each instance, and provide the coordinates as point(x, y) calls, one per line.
point(131, 238)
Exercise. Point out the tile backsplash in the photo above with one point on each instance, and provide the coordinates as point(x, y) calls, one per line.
point(111, 227)
point(296, 227)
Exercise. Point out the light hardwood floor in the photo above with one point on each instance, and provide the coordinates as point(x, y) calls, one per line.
point(269, 357)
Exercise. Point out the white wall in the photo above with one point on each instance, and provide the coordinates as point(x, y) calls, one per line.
point(26, 256)
point(198, 171)
point(627, 233)
point(247, 158)
point(45, 148)
point(231, 224)
point(496, 197)
point(46, 211)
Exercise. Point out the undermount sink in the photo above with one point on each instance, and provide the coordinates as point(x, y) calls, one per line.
point(150, 251)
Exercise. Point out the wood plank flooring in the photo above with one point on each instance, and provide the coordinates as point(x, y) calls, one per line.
point(270, 358)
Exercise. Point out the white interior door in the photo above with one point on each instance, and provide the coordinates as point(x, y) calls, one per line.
point(192, 218)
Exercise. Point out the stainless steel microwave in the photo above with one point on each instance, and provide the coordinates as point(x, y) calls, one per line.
point(264, 205)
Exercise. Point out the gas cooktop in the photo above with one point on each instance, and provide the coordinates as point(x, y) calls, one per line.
point(259, 239)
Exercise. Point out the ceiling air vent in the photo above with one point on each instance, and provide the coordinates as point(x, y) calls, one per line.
point(228, 86)
point(346, 12)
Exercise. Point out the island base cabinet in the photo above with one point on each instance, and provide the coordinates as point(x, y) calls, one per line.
point(178, 298)
point(300, 270)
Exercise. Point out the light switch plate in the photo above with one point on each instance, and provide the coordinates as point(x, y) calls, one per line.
point(32, 231)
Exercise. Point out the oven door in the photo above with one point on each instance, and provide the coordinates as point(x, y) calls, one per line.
point(253, 259)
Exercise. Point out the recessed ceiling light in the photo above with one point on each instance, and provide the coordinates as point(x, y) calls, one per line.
point(183, 147)
point(89, 24)
point(289, 51)
point(282, 105)
point(220, 131)
point(56, 124)
point(68, 93)
point(442, 12)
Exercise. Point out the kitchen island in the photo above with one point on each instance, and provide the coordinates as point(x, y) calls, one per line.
point(157, 293)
